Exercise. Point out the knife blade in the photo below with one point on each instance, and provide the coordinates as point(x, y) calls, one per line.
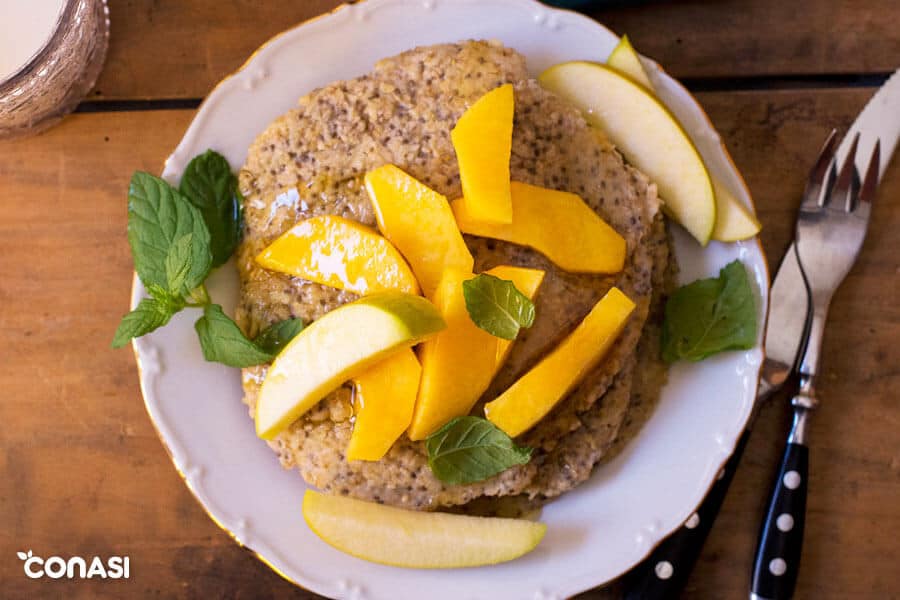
point(663, 574)
point(787, 327)
point(879, 119)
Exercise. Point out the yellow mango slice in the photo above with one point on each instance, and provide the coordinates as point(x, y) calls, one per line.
point(557, 224)
point(419, 222)
point(459, 363)
point(415, 539)
point(482, 139)
point(337, 347)
point(340, 253)
point(385, 399)
point(526, 281)
point(536, 393)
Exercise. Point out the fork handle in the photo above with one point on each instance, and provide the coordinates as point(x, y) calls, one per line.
point(777, 561)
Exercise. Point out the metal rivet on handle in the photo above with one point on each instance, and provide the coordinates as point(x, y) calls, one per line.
point(692, 521)
point(777, 566)
point(792, 480)
point(784, 522)
point(663, 569)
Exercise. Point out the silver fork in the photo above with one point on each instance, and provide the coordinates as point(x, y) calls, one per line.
point(831, 227)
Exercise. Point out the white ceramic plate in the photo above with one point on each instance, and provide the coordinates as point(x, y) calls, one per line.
point(596, 532)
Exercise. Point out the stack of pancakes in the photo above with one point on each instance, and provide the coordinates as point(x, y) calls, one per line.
point(311, 161)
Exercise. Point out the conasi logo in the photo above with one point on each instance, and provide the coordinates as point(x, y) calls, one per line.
point(57, 567)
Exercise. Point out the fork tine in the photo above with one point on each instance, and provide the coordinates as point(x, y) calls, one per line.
point(867, 192)
point(819, 173)
point(828, 186)
point(843, 188)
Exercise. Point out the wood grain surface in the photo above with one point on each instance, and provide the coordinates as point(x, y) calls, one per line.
point(83, 470)
point(181, 49)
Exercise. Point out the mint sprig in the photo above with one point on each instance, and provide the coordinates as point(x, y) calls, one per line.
point(179, 261)
point(213, 189)
point(149, 315)
point(276, 337)
point(168, 301)
point(158, 218)
point(496, 306)
point(710, 316)
point(223, 341)
point(177, 238)
point(470, 449)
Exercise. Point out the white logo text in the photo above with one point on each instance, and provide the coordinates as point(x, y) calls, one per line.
point(57, 567)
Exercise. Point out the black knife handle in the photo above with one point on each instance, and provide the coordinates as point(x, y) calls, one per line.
point(662, 575)
point(777, 559)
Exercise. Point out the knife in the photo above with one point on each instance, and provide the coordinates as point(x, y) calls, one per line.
point(663, 574)
point(828, 245)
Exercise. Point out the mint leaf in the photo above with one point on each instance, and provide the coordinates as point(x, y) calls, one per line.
point(158, 217)
point(211, 186)
point(223, 341)
point(150, 314)
point(178, 262)
point(172, 302)
point(496, 306)
point(710, 316)
point(470, 449)
point(275, 337)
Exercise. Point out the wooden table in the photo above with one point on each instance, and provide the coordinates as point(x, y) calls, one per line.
point(83, 470)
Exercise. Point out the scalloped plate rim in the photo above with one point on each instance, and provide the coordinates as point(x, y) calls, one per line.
point(152, 369)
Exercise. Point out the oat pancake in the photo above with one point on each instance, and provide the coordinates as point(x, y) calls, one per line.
point(311, 161)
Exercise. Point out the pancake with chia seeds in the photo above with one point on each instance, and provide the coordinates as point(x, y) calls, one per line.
point(311, 161)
